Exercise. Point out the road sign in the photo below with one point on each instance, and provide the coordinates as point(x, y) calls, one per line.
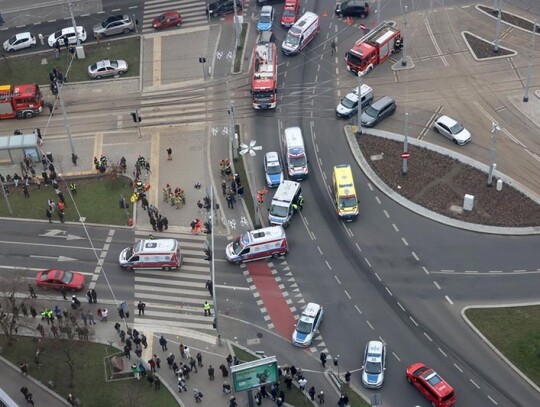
point(247, 376)
point(405, 155)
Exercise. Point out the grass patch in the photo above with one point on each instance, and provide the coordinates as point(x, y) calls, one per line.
point(97, 199)
point(515, 331)
point(90, 384)
point(240, 48)
point(35, 68)
point(241, 170)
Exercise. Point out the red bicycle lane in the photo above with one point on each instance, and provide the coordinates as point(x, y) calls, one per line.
point(272, 297)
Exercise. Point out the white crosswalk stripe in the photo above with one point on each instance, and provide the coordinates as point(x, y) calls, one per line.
point(175, 298)
point(193, 12)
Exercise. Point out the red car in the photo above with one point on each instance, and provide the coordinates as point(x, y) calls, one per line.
point(167, 19)
point(55, 279)
point(290, 12)
point(431, 385)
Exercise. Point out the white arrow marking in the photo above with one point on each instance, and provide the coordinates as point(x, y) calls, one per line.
point(61, 234)
point(57, 258)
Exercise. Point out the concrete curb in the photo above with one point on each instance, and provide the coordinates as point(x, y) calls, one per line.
point(374, 178)
point(488, 343)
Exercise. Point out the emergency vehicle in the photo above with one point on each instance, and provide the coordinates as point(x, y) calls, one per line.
point(161, 254)
point(290, 12)
point(264, 78)
point(295, 154)
point(20, 101)
point(258, 244)
point(345, 195)
point(282, 208)
point(301, 33)
point(374, 48)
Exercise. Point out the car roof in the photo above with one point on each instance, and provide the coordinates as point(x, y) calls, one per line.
point(117, 17)
point(448, 121)
point(103, 62)
point(26, 34)
point(266, 9)
point(375, 347)
point(379, 104)
point(171, 13)
point(272, 156)
point(311, 310)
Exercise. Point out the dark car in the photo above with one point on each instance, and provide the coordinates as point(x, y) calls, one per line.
point(222, 7)
point(377, 111)
point(166, 20)
point(352, 8)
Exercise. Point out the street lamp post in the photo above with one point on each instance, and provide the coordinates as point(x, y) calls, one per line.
point(251, 149)
point(497, 28)
point(492, 165)
point(529, 68)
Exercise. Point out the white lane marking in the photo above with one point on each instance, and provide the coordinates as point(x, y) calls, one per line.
point(425, 270)
point(437, 285)
point(435, 44)
point(358, 247)
point(370, 186)
point(444, 354)
point(328, 265)
point(319, 249)
point(388, 291)
point(386, 213)
point(347, 294)
point(404, 241)
point(413, 321)
point(367, 261)
point(458, 368)
point(449, 300)
point(415, 256)
point(358, 309)
point(337, 279)
point(428, 337)
point(474, 383)
point(493, 401)
point(377, 275)
point(371, 326)
point(377, 199)
point(396, 356)
point(401, 306)
point(395, 227)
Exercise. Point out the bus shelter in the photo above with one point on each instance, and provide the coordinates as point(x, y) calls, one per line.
point(14, 148)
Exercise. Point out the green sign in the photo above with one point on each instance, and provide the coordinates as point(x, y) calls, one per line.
point(248, 375)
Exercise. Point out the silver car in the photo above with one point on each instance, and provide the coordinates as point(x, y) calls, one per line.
point(120, 24)
point(20, 41)
point(102, 69)
point(452, 130)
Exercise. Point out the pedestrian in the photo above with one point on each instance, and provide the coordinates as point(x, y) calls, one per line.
point(211, 373)
point(24, 310)
point(288, 381)
point(279, 402)
point(65, 40)
point(25, 191)
point(29, 398)
point(63, 292)
point(193, 365)
point(143, 341)
point(224, 187)
point(163, 343)
point(141, 306)
point(157, 383)
point(61, 216)
point(1, 20)
point(181, 384)
point(210, 287)
point(33, 311)
point(229, 360)
point(224, 370)
point(41, 39)
point(170, 360)
point(152, 365)
point(206, 308)
point(94, 296)
point(333, 46)
point(274, 392)
point(157, 360)
point(323, 357)
point(197, 395)
point(24, 368)
point(84, 318)
point(348, 377)
point(199, 359)
point(302, 384)
point(229, 198)
point(240, 191)
point(312, 393)
point(48, 214)
point(264, 393)
point(127, 352)
point(89, 296)
point(165, 222)
point(129, 344)
point(258, 398)
point(135, 371)
point(169, 154)
point(187, 353)
point(321, 397)
point(32, 292)
point(181, 348)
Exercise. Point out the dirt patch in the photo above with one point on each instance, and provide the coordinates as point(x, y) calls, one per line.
point(511, 19)
point(484, 49)
point(436, 182)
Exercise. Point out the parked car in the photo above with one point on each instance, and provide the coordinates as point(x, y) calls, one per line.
point(353, 8)
point(20, 41)
point(222, 7)
point(431, 385)
point(266, 19)
point(290, 12)
point(378, 111)
point(102, 69)
point(452, 130)
point(374, 365)
point(273, 170)
point(55, 279)
point(348, 106)
point(307, 325)
point(68, 33)
point(120, 24)
point(167, 20)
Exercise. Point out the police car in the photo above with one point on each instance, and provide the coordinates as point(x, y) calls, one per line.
point(374, 365)
point(273, 169)
point(349, 104)
point(307, 325)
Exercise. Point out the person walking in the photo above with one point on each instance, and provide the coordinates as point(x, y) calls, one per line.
point(321, 397)
point(141, 306)
point(199, 359)
point(323, 357)
point(211, 373)
point(229, 198)
point(90, 317)
point(94, 296)
point(311, 393)
point(193, 365)
point(210, 287)
point(89, 296)
point(48, 214)
point(206, 309)
point(32, 292)
point(302, 384)
point(157, 382)
point(144, 341)
point(224, 370)
point(197, 395)
point(163, 343)
point(348, 377)
point(187, 353)
point(63, 292)
point(169, 154)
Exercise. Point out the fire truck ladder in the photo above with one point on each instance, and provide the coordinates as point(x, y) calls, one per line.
point(372, 36)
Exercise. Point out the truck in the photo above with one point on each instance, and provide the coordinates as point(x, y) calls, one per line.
point(374, 48)
point(264, 78)
point(20, 101)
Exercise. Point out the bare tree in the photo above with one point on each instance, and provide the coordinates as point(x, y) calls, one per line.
point(13, 306)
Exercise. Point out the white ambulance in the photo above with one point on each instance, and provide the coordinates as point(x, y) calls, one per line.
point(295, 154)
point(161, 254)
point(301, 33)
point(281, 209)
point(257, 244)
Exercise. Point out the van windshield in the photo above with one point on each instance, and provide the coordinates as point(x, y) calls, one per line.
point(297, 161)
point(129, 252)
point(237, 246)
point(348, 103)
point(279, 211)
point(292, 39)
point(347, 202)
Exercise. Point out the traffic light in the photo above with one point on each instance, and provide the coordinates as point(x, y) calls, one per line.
point(136, 118)
point(260, 197)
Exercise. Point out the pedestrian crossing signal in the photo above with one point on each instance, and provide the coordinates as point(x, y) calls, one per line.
point(136, 117)
point(260, 197)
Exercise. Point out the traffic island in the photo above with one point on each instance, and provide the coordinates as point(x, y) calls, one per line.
point(482, 49)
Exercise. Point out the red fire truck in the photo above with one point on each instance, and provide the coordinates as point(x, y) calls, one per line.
point(264, 78)
point(21, 101)
point(374, 48)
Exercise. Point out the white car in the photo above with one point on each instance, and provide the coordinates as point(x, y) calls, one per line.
point(374, 365)
point(107, 67)
point(348, 106)
point(70, 33)
point(20, 41)
point(452, 130)
point(307, 325)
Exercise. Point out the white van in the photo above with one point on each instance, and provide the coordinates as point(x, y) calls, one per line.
point(152, 254)
point(295, 154)
point(281, 209)
point(349, 104)
point(257, 244)
point(301, 33)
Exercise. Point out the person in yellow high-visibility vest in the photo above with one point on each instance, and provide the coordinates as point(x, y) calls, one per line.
point(206, 308)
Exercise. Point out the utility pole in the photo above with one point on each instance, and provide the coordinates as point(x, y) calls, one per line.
point(529, 68)
point(6, 196)
point(236, 25)
point(251, 149)
point(80, 48)
point(497, 28)
point(404, 156)
point(232, 127)
point(405, 39)
point(378, 11)
point(493, 155)
point(213, 264)
point(68, 130)
point(359, 122)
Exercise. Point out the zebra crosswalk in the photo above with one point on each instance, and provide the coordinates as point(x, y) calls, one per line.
point(193, 12)
point(174, 299)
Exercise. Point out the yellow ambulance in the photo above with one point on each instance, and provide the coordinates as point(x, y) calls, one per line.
point(345, 193)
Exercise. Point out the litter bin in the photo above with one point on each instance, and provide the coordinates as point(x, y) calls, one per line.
point(49, 156)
